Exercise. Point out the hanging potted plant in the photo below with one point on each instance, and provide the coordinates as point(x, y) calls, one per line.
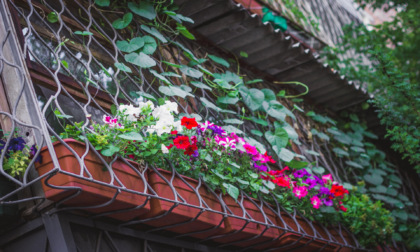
point(16, 158)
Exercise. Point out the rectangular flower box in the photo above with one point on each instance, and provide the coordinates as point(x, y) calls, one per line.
point(91, 192)
point(182, 213)
point(239, 229)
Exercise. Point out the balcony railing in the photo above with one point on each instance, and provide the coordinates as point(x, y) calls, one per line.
point(52, 75)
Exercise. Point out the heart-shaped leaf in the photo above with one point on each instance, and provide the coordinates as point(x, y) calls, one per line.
point(121, 23)
point(253, 97)
point(140, 59)
point(122, 67)
point(143, 9)
point(219, 60)
point(191, 72)
point(133, 45)
point(279, 138)
point(154, 32)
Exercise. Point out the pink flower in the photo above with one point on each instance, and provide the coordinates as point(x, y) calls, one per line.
point(205, 125)
point(228, 142)
point(300, 191)
point(316, 202)
point(327, 178)
point(111, 122)
point(250, 149)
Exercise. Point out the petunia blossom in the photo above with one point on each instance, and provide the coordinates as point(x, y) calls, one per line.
point(301, 173)
point(316, 202)
point(250, 149)
point(181, 142)
point(189, 123)
point(228, 142)
point(300, 191)
point(327, 178)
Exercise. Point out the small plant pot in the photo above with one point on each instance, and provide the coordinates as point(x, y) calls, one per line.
point(243, 232)
point(185, 216)
point(8, 213)
point(89, 192)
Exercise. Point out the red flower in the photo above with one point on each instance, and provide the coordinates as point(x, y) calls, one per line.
point(174, 132)
point(282, 181)
point(131, 156)
point(338, 190)
point(189, 123)
point(182, 142)
point(342, 208)
point(170, 146)
point(190, 149)
point(270, 159)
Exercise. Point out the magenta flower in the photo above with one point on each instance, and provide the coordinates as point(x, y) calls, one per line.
point(327, 178)
point(301, 173)
point(328, 201)
point(112, 122)
point(251, 149)
point(262, 168)
point(300, 191)
point(227, 142)
point(310, 182)
point(316, 202)
point(206, 125)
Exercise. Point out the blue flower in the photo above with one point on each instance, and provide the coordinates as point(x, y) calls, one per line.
point(17, 144)
point(33, 152)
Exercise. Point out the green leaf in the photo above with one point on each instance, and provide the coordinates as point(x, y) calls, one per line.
point(110, 150)
point(171, 64)
point(255, 143)
point(232, 190)
point(312, 152)
point(121, 23)
point(279, 138)
point(146, 95)
point(65, 64)
point(200, 85)
point(123, 67)
point(133, 45)
point(160, 77)
point(378, 189)
point(295, 164)
point(229, 77)
point(373, 179)
point(291, 132)
point(401, 214)
point(191, 72)
point(395, 179)
point(52, 17)
point(257, 132)
point(318, 169)
point(114, 110)
point(150, 45)
point(184, 31)
point(131, 136)
point(59, 115)
point(140, 59)
point(263, 122)
point(174, 91)
point(83, 33)
point(243, 54)
point(254, 81)
point(230, 128)
point(353, 164)
point(143, 9)
point(154, 32)
point(233, 121)
point(219, 60)
point(102, 3)
point(209, 104)
point(286, 155)
point(227, 100)
point(340, 152)
point(253, 97)
point(269, 95)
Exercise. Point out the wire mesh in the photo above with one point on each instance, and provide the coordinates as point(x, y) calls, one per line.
point(57, 70)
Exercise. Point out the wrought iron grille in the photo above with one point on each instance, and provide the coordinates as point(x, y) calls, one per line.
point(46, 68)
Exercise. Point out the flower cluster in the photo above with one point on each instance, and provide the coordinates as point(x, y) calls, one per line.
point(18, 155)
point(320, 191)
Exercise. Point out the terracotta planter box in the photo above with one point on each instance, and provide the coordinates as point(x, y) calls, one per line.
point(251, 229)
point(293, 241)
point(92, 193)
point(182, 213)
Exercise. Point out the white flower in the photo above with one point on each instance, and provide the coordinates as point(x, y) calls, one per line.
point(163, 127)
point(131, 111)
point(164, 149)
point(146, 105)
point(177, 126)
point(170, 106)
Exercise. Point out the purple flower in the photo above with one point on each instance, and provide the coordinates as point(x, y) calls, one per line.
point(195, 154)
point(262, 168)
point(17, 144)
point(327, 201)
point(324, 191)
point(310, 182)
point(300, 173)
point(318, 180)
point(217, 130)
point(33, 152)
